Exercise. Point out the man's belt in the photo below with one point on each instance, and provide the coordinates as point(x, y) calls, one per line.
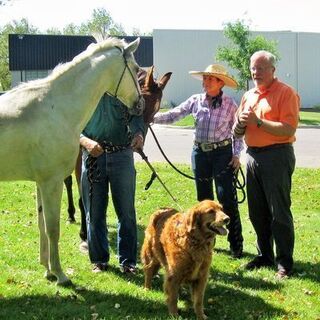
point(210, 146)
point(111, 148)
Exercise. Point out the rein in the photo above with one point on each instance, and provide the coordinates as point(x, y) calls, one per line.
point(237, 184)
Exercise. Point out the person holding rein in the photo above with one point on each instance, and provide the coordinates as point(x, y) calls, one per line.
point(215, 155)
point(267, 118)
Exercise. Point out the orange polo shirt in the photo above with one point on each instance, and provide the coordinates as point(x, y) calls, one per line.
point(278, 103)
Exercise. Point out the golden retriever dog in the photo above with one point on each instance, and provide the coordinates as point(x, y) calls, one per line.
point(183, 243)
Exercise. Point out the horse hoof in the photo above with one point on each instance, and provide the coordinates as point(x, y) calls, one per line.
point(65, 284)
point(50, 276)
point(71, 220)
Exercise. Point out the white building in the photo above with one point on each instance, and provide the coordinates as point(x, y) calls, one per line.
point(180, 51)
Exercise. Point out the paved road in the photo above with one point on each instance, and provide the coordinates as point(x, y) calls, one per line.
point(177, 144)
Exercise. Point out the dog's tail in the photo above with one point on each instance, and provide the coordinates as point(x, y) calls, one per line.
point(161, 215)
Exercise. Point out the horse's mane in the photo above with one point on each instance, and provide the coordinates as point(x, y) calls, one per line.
point(92, 49)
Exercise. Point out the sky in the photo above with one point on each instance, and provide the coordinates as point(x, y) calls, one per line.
point(146, 15)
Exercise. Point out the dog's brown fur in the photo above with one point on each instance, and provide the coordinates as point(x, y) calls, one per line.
point(182, 243)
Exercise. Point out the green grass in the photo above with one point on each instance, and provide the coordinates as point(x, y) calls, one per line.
point(310, 118)
point(231, 292)
point(306, 118)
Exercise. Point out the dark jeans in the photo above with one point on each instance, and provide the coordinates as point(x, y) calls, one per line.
point(117, 171)
point(269, 175)
point(213, 166)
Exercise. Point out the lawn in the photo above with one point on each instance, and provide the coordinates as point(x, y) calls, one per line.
point(232, 293)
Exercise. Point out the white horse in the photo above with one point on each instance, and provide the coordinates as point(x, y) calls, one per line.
point(40, 125)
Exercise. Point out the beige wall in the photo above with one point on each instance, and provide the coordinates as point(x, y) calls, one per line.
point(180, 51)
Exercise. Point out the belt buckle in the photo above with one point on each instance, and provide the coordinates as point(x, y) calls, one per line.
point(205, 147)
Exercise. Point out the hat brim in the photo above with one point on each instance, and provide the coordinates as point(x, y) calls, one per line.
point(228, 81)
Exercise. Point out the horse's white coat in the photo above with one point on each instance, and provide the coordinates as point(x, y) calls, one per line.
point(40, 124)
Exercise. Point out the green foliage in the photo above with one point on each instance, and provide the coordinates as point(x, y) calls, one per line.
point(102, 25)
point(22, 26)
point(231, 293)
point(4, 2)
point(242, 46)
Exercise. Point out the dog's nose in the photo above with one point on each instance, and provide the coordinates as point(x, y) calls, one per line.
point(226, 220)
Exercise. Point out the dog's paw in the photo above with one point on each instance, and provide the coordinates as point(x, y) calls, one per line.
point(202, 316)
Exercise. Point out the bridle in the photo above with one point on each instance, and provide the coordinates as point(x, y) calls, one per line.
point(126, 66)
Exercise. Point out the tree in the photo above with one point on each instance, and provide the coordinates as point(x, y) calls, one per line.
point(238, 54)
point(101, 25)
point(22, 26)
point(138, 32)
point(4, 2)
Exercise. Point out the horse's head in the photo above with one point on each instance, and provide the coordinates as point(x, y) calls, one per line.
point(126, 87)
point(151, 92)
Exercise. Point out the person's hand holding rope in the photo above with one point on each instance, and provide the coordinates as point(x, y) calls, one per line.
point(137, 142)
point(93, 147)
point(235, 163)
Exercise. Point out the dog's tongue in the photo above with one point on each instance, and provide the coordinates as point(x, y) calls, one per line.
point(222, 231)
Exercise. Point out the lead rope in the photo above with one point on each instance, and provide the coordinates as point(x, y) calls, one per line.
point(145, 158)
point(237, 185)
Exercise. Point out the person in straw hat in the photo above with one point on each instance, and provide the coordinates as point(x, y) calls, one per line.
point(215, 154)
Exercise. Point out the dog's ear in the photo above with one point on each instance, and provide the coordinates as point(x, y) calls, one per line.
point(191, 219)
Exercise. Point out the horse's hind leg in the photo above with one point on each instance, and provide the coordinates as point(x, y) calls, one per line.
point(83, 225)
point(71, 207)
point(51, 193)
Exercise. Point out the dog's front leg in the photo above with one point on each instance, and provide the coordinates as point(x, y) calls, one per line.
point(171, 289)
point(198, 289)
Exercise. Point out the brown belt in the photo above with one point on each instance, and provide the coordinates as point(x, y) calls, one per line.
point(209, 146)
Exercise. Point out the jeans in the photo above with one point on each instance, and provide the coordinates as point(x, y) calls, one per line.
point(115, 170)
point(213, 165)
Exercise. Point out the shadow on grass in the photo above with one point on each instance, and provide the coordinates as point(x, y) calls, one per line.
point(231, 296)
point(80, 304)
point(91, 304)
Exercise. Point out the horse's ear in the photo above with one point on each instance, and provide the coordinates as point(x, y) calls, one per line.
point(149, 82)
point(132, 46)
point(164, 80)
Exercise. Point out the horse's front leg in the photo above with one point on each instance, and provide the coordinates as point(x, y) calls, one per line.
point(44, 249)
point(51, 194)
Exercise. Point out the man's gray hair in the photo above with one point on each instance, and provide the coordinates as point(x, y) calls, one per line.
point(271, 58)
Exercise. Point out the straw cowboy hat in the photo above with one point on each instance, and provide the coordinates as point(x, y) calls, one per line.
point(217, 71)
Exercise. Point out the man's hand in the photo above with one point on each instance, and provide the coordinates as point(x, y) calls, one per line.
point(137, 142)
point(248, 117)
point(93, 147)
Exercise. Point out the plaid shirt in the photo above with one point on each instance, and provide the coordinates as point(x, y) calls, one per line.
point(211, 125)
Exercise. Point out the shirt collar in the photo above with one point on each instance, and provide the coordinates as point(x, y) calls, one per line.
point(270, 88)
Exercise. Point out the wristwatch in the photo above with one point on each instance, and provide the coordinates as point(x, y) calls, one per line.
point(259, 123)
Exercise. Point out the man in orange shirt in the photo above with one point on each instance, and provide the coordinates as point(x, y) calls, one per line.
point(268, 117)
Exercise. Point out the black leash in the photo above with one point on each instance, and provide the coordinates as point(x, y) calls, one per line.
point(154, 175)
point(236, 182)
